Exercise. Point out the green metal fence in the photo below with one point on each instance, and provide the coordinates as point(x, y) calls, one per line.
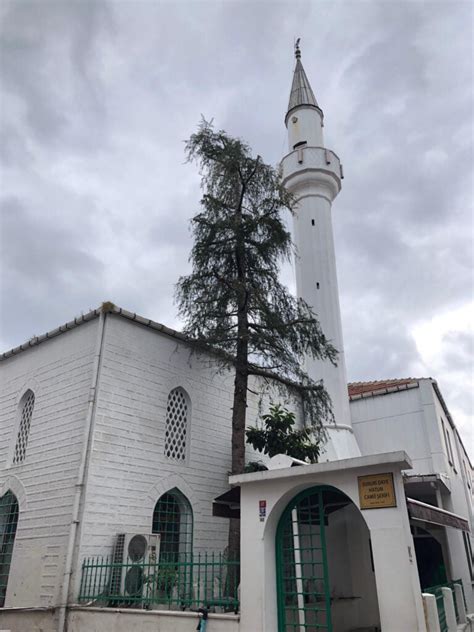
point(182, 583)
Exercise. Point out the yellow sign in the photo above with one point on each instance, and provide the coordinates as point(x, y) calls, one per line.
point(376, 491)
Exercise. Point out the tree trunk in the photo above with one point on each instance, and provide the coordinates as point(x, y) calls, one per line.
point(240, 383)
point(238, 457)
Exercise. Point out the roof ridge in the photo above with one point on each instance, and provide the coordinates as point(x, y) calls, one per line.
point(389, 379)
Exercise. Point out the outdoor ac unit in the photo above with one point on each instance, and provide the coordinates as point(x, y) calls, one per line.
point(136, 556)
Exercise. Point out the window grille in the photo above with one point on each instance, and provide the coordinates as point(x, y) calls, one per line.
point(24, 430)
point(8, 523)
point(176, 425)
point(173, 520)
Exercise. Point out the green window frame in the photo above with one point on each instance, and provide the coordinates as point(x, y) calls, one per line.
point(9, 511)
point(173, 520)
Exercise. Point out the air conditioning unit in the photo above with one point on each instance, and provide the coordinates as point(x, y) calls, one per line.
point(136, 556)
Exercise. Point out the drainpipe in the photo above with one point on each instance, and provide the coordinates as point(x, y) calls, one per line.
point(80, 487)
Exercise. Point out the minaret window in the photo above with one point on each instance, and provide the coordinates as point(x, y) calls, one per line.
point(312, 222)
point(301, 144)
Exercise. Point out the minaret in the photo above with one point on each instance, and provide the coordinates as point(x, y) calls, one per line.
point(313, 174)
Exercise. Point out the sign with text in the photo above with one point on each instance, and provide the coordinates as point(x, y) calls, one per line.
point(376, 491)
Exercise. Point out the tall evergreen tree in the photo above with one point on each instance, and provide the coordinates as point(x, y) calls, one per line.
point(233, 299)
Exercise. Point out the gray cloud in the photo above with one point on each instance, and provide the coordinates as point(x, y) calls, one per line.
point(97, 98)
point(48, 65)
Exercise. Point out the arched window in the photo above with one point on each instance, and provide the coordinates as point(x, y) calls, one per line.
point(27, 404)
point(177, 413)
point(173, 520)
point(8, 522)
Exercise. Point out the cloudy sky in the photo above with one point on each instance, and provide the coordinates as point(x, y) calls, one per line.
point(97, 98)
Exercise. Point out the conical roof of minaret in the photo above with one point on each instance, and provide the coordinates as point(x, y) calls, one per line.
point(301, 91)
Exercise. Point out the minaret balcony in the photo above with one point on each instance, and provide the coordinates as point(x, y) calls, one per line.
point(307, 166)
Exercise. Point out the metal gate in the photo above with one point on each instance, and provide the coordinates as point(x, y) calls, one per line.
point(304, 603)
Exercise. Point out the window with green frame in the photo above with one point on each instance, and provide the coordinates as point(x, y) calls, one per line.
point(8, 524)
point(173, 520)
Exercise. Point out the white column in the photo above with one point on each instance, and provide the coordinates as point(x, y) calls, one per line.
point(398, 605)
point(449, 609)
point(460, 603)
point(316, 282)
point(313, 175)
point(431, 613)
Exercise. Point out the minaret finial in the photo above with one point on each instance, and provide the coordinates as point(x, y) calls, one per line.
point(297, 48)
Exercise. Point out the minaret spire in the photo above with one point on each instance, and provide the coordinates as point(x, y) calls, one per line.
point(301, 91)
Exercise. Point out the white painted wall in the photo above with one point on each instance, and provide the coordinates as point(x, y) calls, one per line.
point(87, 619)
point(412, 420)
point(111, 620)
point(398, 588)
point(128, 470)
point(59, 373)
point(394, 422)
point(28, 620)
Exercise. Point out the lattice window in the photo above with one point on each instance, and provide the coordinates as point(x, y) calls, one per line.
point(176, 425)
point(24, 430)
point(8, 523)
point(173, 520)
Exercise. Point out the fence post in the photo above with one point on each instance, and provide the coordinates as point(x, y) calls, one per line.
point(431, 613)
point(460, 603)
point(449, 609)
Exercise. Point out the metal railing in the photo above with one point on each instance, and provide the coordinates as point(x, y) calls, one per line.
point(185, 582)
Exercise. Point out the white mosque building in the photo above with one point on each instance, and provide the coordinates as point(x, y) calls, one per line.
point(113, 435)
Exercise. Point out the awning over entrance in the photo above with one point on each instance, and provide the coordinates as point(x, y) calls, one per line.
point(434, 515)
point(227, 505)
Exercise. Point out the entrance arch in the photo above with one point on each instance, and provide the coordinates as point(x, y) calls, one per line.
point(324, 568)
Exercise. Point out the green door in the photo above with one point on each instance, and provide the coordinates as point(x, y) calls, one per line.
point(304, 603)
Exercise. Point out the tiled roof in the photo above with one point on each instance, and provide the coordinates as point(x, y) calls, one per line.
point(381, 387)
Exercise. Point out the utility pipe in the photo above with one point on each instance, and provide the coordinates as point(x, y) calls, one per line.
point(79, 487)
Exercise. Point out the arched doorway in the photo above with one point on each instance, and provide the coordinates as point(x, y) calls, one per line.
point(8, 524)
point(325, 575)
